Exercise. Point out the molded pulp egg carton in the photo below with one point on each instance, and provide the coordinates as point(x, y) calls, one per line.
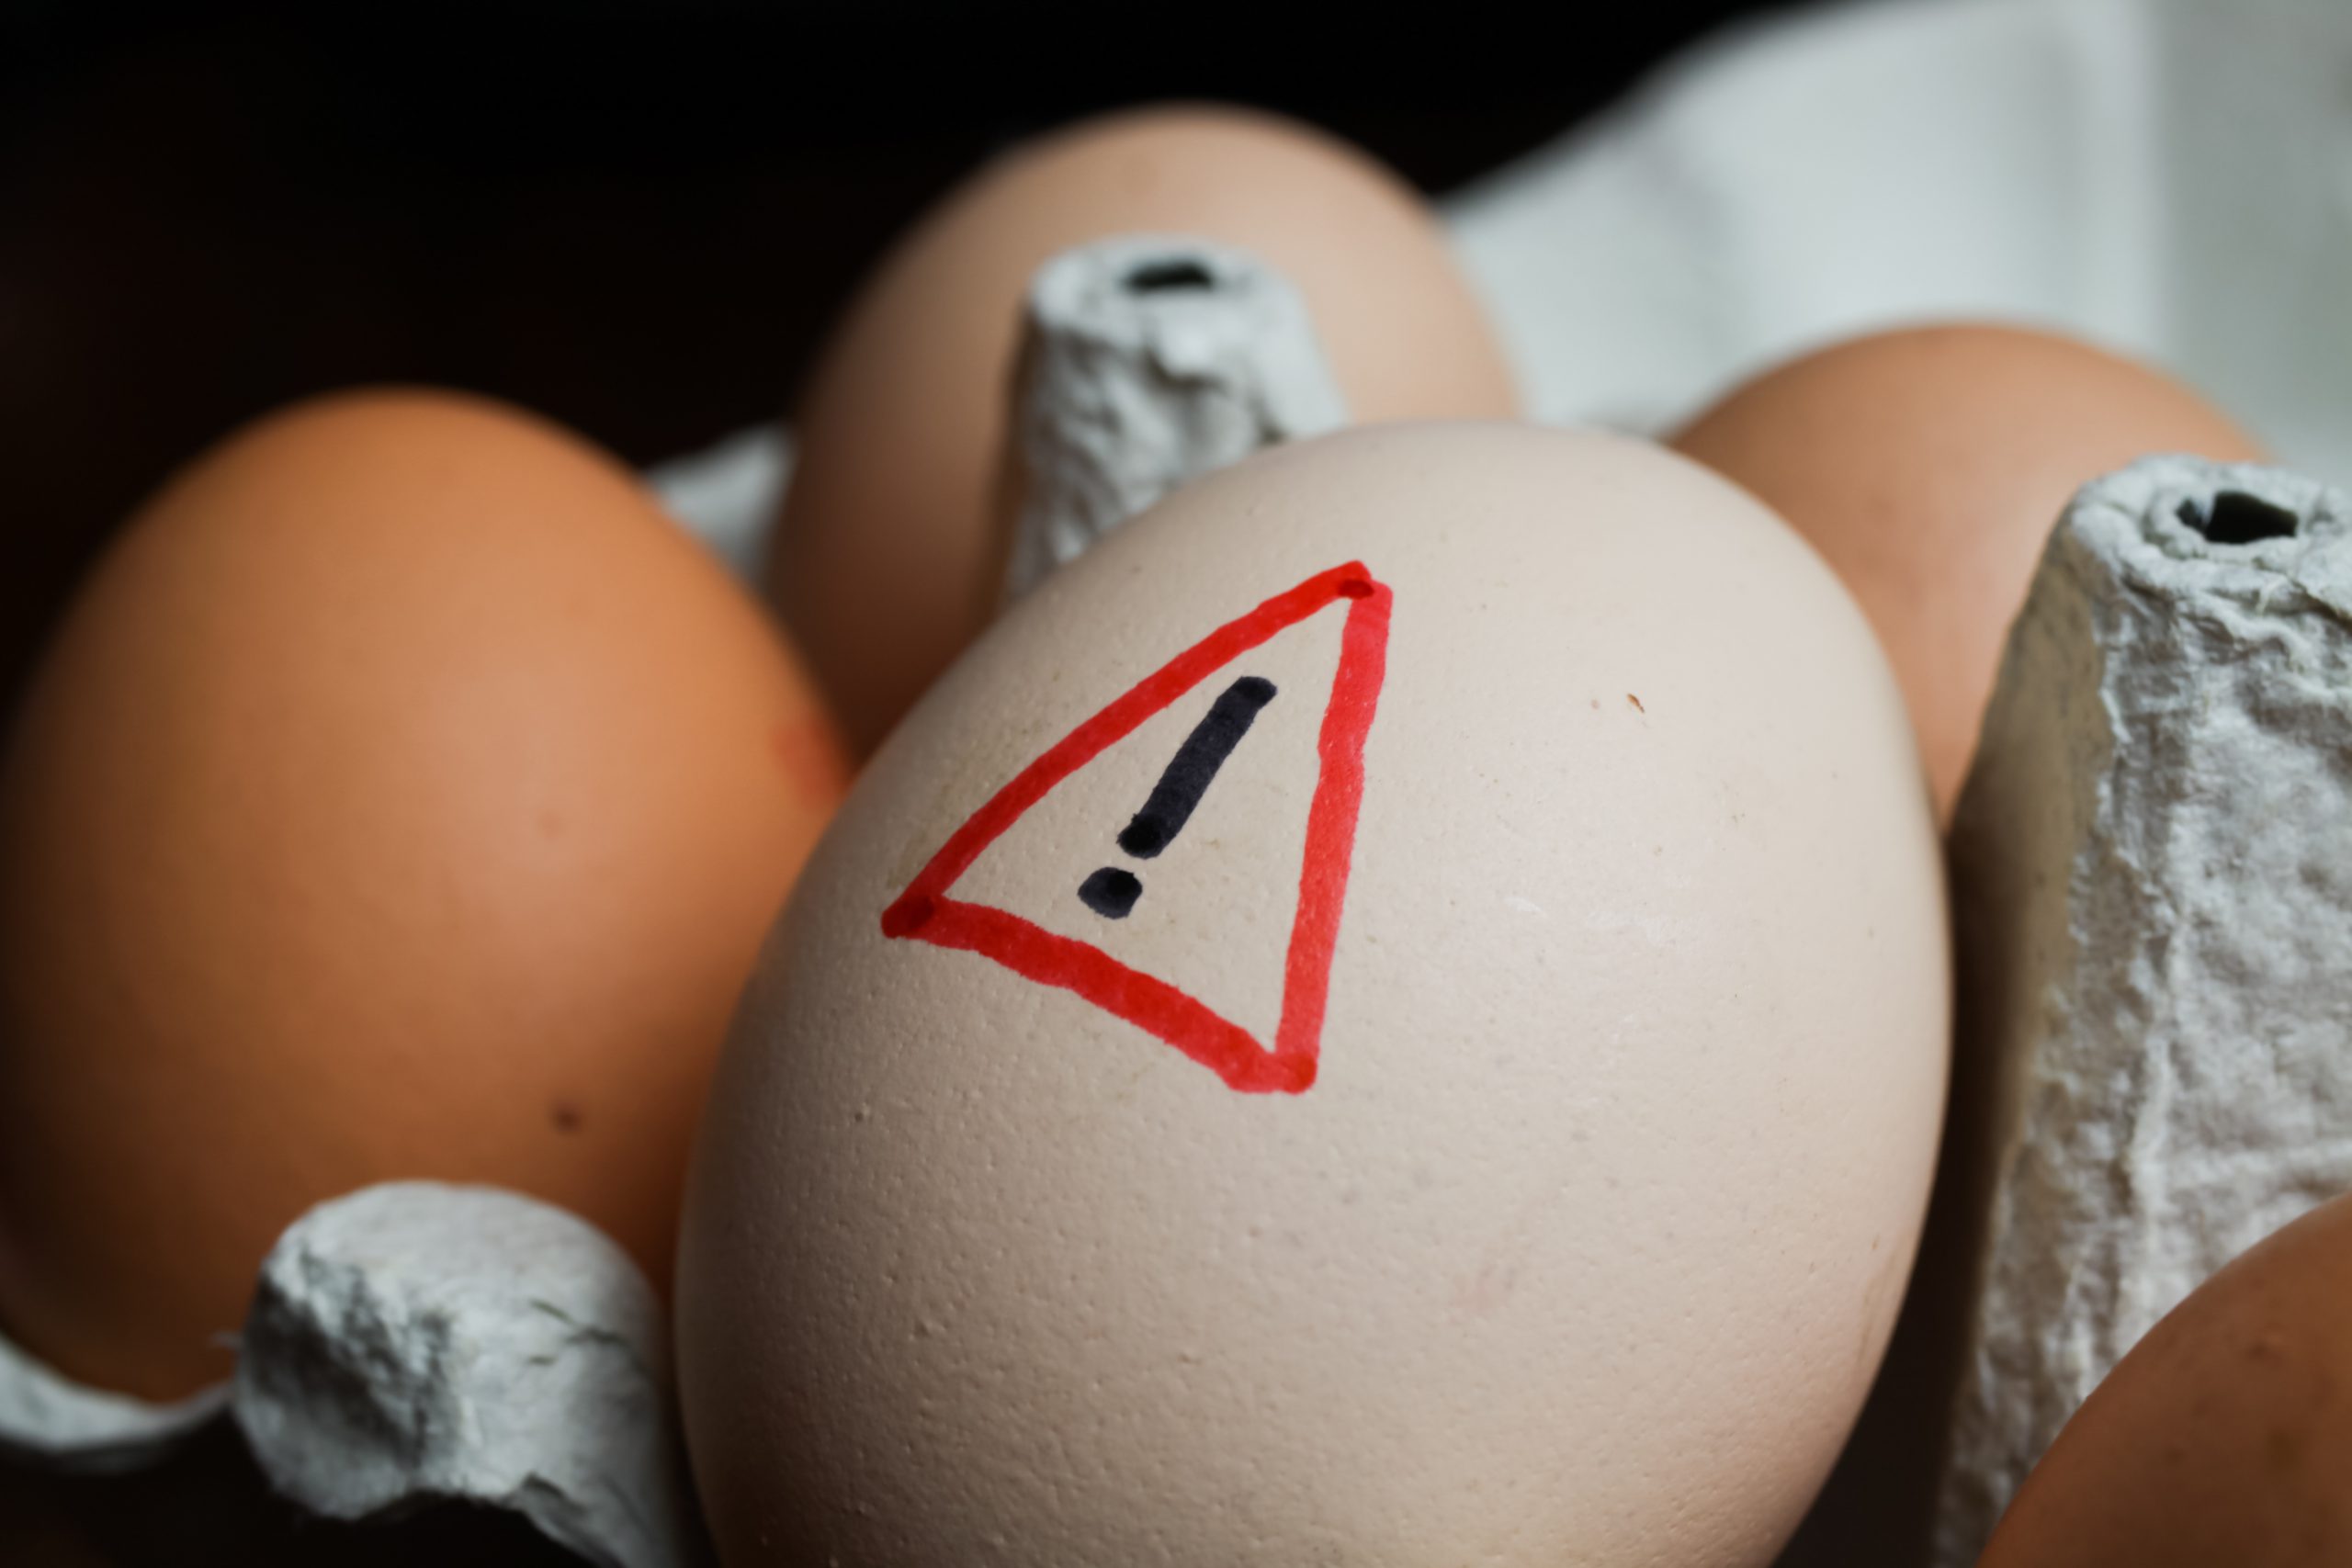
point(2170, 177)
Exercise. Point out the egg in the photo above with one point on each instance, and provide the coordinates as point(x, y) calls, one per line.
point(1395, 1012)
point(1928, 466)
point(2223, 1436)
point(404, 796)
point(884, 560)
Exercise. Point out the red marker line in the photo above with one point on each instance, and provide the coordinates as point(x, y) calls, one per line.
point(1331, 828)
point(1144, 1000)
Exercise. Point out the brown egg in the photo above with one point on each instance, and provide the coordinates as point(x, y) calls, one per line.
point(884, 563)
point(403, 796)
point(1928, 466)
point(2224, 1437)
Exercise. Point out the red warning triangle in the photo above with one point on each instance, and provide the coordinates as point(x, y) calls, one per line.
point(925, 913)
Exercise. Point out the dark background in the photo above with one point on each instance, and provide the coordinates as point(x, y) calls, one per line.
point(637, 220)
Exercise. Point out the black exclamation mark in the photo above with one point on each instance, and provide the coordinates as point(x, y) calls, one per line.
point(1111, 891)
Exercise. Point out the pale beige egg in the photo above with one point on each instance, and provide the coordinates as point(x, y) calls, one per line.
point(1396, 1012)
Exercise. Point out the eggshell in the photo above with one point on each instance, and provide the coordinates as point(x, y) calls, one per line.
point(403, 796)
point(2224, 1437)
point(1566, 1216)
point(1929, 464)
point(883, 561)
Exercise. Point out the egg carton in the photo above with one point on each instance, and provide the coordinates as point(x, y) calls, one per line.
point(2151, 174)
point(2152, 901)
point(416, 1342)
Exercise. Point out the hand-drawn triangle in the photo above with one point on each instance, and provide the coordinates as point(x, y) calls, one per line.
point(925, 913)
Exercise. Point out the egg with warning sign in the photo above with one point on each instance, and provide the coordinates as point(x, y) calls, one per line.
point(1394, 1012)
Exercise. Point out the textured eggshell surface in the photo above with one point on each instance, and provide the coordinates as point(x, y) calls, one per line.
point(403, 796)
point(1581, 1239)
point(886, 560)
point(2224, 1437)
point(1928, 466)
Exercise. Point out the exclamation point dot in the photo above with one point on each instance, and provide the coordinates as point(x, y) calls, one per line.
point(1111, 893)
